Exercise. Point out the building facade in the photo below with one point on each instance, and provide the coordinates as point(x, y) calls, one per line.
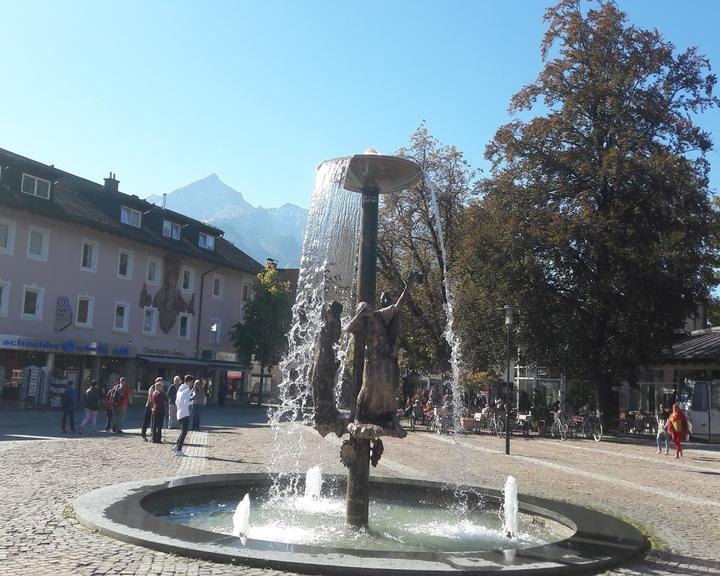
point(97, 284)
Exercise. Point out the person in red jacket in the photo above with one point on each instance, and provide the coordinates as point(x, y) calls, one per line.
point(677, 427)
point(158, 409)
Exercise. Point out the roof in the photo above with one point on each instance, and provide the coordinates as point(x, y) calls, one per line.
point(289, 275)
point(79, 201)
point(696, 346)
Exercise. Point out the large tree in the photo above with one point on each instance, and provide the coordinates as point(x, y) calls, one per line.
point(266, 320)
point(596, 221)
point(409, 241)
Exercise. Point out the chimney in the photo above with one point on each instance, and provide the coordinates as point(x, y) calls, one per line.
point(111, 184)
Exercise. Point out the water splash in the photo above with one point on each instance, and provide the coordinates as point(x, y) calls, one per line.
point(510, 509)
point(313, 483)
point(241, 519)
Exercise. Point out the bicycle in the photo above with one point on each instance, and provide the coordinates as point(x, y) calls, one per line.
point(559, 428)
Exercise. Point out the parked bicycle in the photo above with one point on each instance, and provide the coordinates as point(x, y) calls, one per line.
point(559, 428)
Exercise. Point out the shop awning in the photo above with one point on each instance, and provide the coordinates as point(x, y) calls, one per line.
point(179, 361)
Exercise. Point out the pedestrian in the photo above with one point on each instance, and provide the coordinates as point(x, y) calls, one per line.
point(182, 402)
point(92, 405)
point(197, 401)
point(171, 395)
point(159, 402)
point(661, 416)
point(677, 426)
point(222, 392)
point(69, 400)
point(121, 400)
point(147, 417)
point(108, 406)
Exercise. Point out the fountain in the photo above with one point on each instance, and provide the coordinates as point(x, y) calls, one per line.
point(414, 527)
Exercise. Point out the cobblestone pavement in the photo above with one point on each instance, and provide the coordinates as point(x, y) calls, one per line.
point(43, 471)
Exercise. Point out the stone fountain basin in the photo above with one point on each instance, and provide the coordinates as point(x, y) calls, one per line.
point(124, 511)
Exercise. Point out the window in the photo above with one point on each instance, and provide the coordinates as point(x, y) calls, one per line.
point(84, 317)
point(4, 298)
point(149, 320)
point(88, 256)
point(187, 279)
point(215, 330)
point(184, 327)
point(7, 236)
point(130, 216)
point(245, 292)
point(32, 304)
point(122, 317)
point(125, 264)
point(171, 230)
point(154, 267)
point(35, 186)
point(217, 286)
point(38, 243)
point(206, 241)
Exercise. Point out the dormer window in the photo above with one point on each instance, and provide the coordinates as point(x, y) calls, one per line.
point(171, 230)
point(35, 186)
point(130, 216)
point(206, 241)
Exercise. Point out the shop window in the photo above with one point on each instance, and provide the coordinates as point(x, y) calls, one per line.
point(32, 303)
point(184, 327)
point(125, 264)
point(122, 317)
point(7, 236)
point(38, 243)
point(89, 256)
point(84, 316)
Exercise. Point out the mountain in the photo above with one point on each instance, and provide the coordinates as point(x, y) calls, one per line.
point(262, 233)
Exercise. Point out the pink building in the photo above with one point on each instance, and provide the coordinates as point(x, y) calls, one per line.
point(97, 284)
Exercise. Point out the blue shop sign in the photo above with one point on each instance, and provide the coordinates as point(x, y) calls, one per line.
point(68, 346)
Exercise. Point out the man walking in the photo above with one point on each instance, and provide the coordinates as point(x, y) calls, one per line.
point(182, 403)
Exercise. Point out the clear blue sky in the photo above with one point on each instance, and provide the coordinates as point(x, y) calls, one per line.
point(165, 92)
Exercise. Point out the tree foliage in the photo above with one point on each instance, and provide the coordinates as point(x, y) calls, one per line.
point(266, 320)
point(596, 220)
point(408, 241)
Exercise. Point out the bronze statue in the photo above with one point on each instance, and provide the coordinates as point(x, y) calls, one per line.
point(376, 401)
point(324, 371)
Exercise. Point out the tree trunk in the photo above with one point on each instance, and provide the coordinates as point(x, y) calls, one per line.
point(262, 383)
point(604, 388)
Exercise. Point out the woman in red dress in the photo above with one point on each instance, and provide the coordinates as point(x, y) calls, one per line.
point(677, 427)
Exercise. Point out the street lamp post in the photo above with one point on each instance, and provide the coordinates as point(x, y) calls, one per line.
point(508, 323)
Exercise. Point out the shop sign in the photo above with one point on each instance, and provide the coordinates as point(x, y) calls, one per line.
point(67, 346)
point(33, 381)
point(164, 352)
point(63, 314)
point(226, 356)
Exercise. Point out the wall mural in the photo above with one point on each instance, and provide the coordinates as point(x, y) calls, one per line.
point(168, 300)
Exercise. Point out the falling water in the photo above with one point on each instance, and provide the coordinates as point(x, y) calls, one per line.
point(510, 525)
point(327, 272)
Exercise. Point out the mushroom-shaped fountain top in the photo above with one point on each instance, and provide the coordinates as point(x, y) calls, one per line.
point(381, 174)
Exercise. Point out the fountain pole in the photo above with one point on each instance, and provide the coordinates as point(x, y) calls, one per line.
point(371, 174)
point(358, 493)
